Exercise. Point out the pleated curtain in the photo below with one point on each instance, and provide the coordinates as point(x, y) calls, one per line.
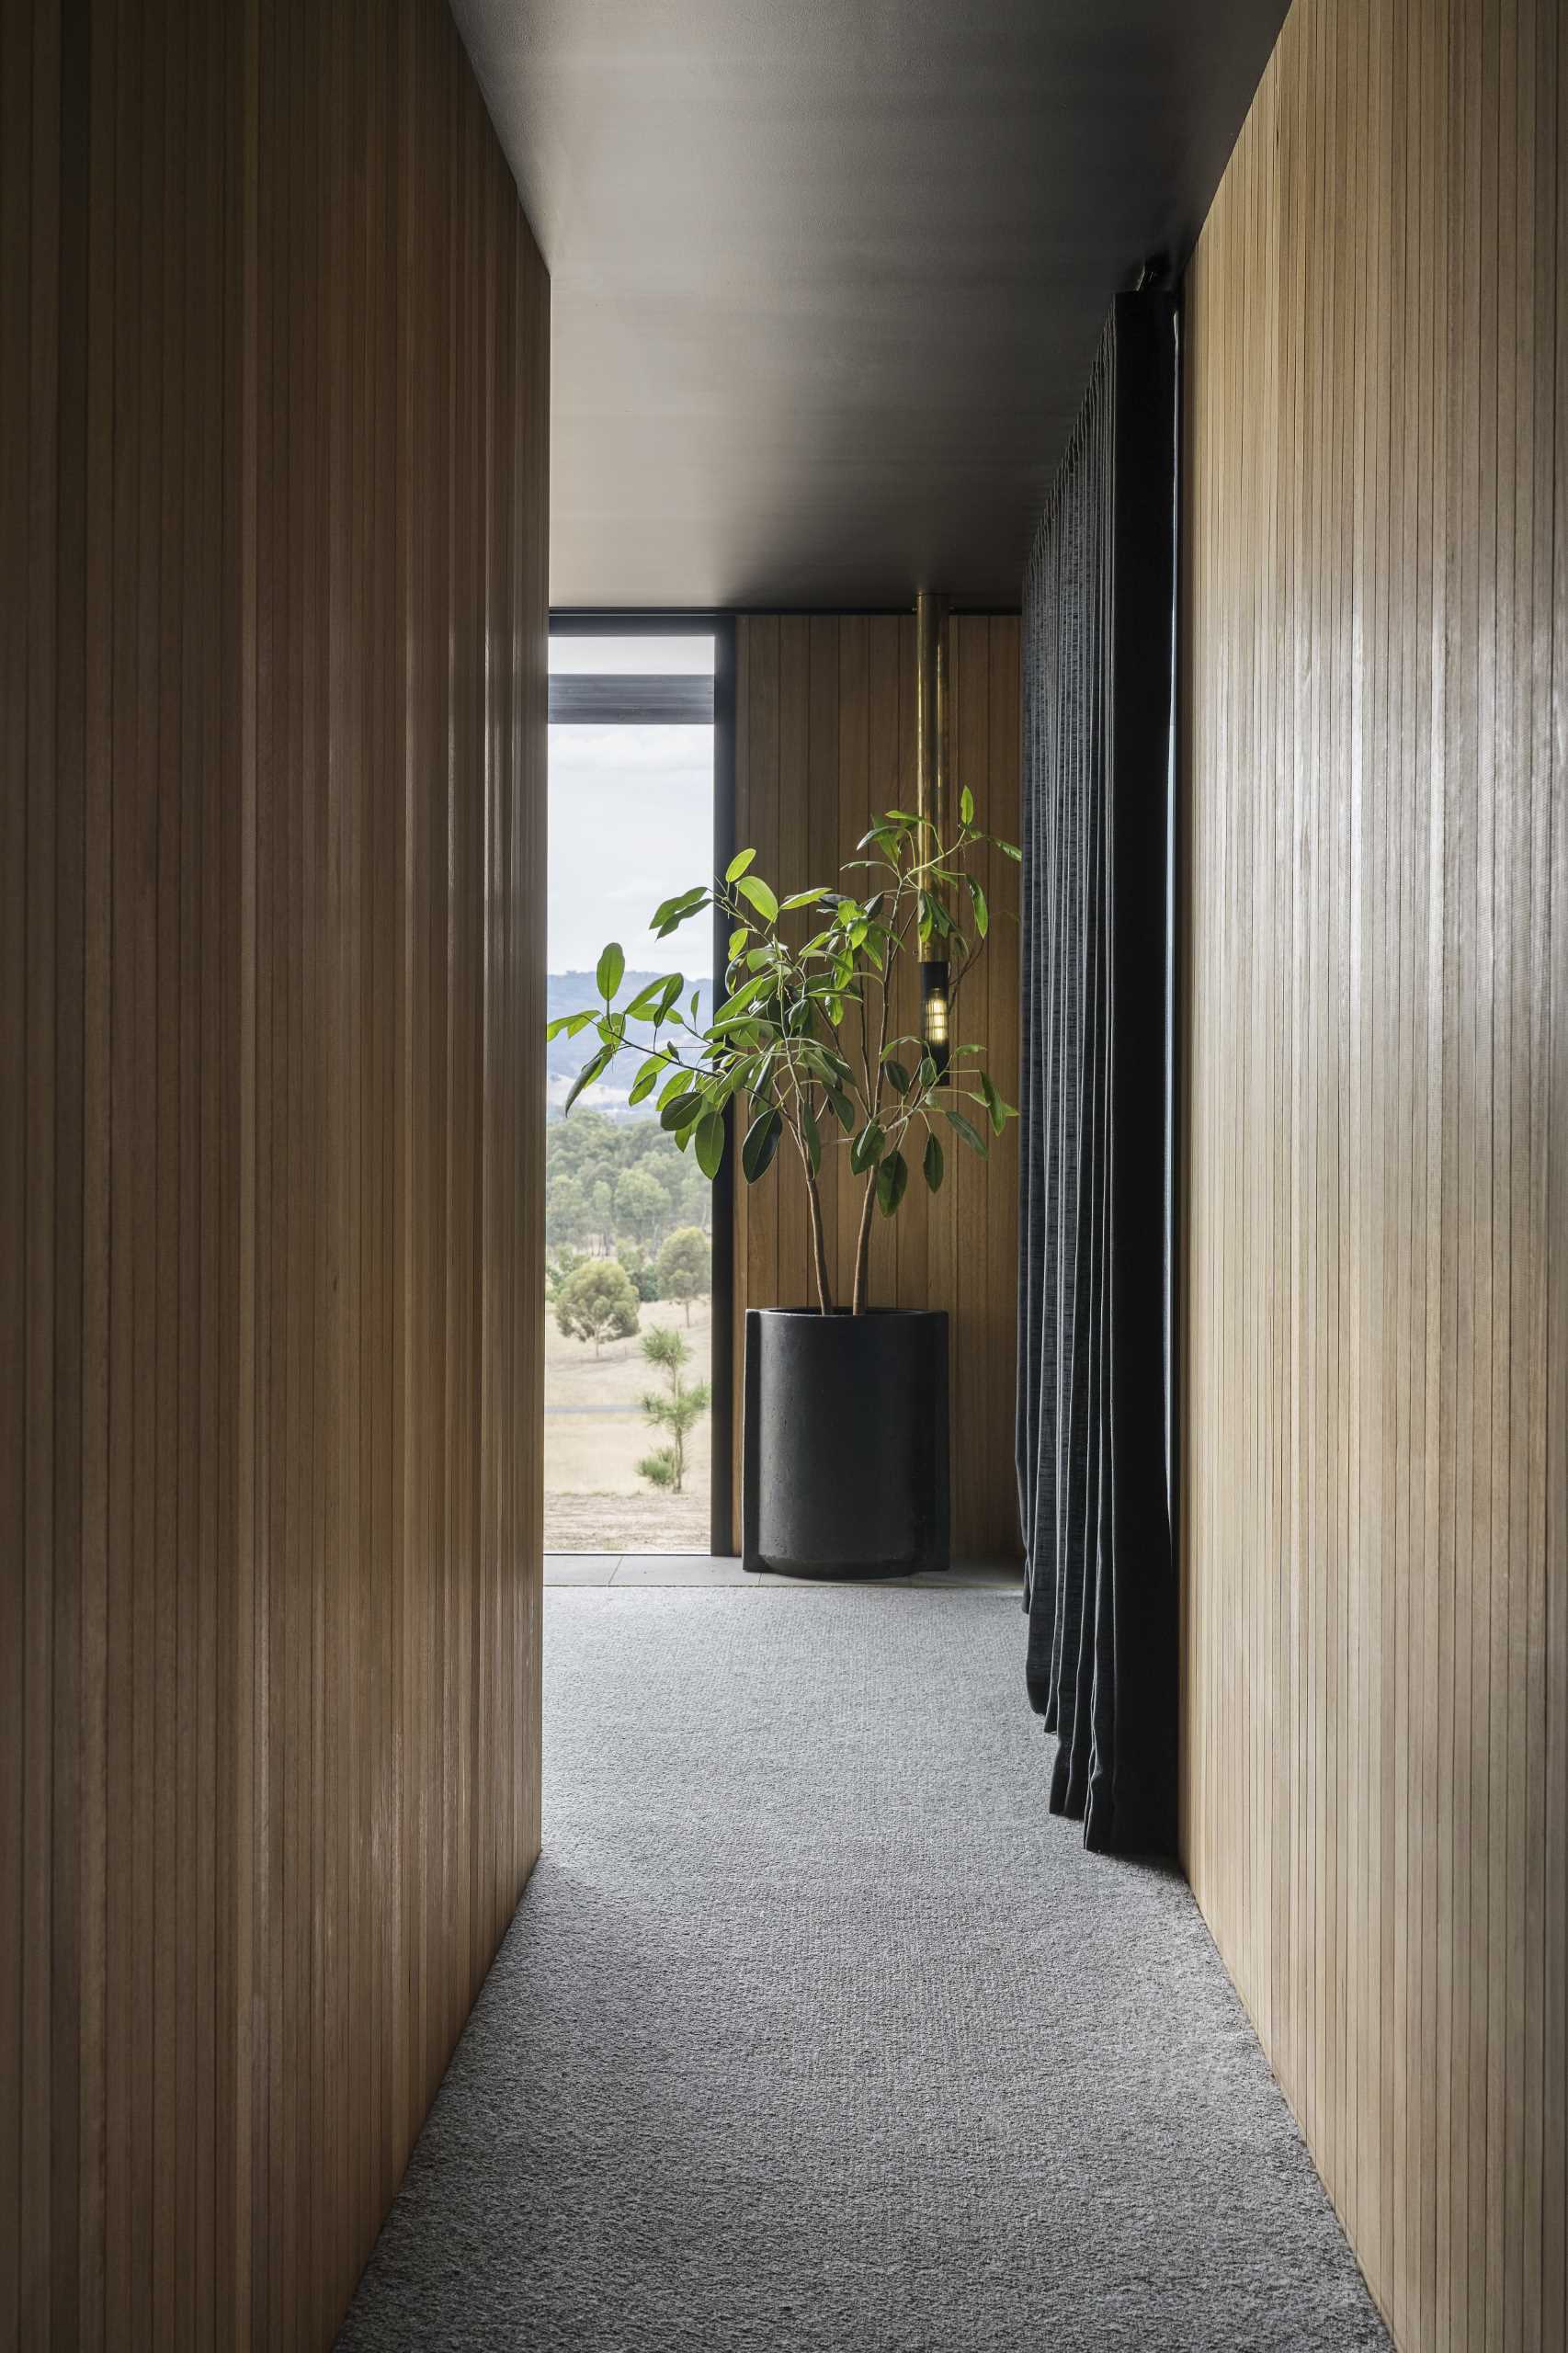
point(1094, 1412)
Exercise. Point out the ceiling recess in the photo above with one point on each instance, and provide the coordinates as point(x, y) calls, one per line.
point(827, 274)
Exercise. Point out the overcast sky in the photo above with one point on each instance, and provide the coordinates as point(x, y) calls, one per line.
point(630, 818)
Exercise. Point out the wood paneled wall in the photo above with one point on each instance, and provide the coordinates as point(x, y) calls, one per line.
point(273, 399)
point(1376, 1458)
point(825, 737)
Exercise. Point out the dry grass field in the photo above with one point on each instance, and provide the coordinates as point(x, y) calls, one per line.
point(595, 1435)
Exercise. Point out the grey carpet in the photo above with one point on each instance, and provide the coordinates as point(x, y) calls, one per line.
point(814, 2029)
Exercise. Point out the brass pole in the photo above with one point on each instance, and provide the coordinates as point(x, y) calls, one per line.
point(931, 709)
point(931, 805)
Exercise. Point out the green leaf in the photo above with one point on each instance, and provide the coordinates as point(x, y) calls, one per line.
point(969, 1132)
point(994, 1102)
point(981, 911)
point(586, 1076)
point(747, 994)
point(568, 1024)
point(611, 970)
point(843, 1110)
point(674, 911)
point(966, 807)
point(680, 1084)
point(812, 1135)
point(670, 911)
point(653, 1001)
point(897, 1073)
point(757, 891)
point(738, 938)
point(1011, 849)
point(933, 1163)
point(866, 1147)
point(802, 899)
point(826, 1066)
point(761, 1144)
point(647, 1078)
point(738, 864)
point(892, 1176)
point(710, 1142)
point(680, 1111)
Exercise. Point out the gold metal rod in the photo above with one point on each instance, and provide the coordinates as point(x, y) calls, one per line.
point(931, 708)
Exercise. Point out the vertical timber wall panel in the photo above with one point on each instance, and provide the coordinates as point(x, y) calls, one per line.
point(274, 358)
point(825, 737)
point(1375, 1777)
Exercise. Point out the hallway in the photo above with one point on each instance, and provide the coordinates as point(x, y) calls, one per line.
point(814, 2029)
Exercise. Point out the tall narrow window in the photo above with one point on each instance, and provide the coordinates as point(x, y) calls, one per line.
point(628, 1217)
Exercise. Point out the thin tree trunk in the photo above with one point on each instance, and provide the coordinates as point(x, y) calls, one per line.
point(813, 1194)
point(863, 1246)
point(824, 1286)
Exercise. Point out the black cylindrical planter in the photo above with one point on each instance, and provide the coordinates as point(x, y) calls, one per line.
point(846, 1448)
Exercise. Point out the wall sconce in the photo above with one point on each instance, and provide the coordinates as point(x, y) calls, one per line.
point(933, 1013)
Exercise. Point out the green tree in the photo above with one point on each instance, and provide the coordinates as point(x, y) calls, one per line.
point(685, 1266)
point(601, 1213)
point(677, 1414)
point(641, 1270)
point(642, 1204)
point(597, 1303)
point(566, 1219)
point(559, 1270)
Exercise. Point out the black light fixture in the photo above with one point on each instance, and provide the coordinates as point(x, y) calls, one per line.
point(931, 790)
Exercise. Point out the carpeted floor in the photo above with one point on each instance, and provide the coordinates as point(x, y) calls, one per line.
point(814, 2030)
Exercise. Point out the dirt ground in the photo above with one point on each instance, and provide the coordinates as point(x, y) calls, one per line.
point(645, 1523)
point(595, 1435)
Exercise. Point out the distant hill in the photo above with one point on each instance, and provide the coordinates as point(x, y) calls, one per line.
point(564, 1057)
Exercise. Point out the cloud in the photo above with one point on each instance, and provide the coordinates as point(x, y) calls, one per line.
point(631, 823)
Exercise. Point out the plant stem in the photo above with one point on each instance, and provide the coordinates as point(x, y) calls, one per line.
point(863, 1240)
point(863, 1247)
point(819, 1245)
point(824, 1288)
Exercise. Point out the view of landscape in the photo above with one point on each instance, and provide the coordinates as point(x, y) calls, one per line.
point(628, 1215)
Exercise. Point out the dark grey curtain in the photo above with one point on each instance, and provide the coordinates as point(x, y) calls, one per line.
point(1095, 1468)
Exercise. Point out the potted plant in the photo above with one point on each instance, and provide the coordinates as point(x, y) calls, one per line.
point(846, 1445)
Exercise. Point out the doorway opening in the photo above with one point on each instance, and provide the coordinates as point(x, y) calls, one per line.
point(637, 1343)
